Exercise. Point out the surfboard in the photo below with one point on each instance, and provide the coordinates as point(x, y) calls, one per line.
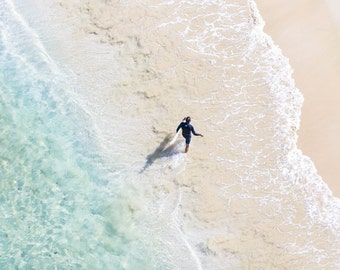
point(174, 139)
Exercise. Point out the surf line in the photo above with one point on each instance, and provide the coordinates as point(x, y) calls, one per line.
point(186, 242)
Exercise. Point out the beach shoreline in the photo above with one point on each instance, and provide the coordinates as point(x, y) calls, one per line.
point(308, 34)
point(243, 197)
point(318, 129)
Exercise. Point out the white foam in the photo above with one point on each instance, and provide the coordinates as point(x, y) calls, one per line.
point(263, 180)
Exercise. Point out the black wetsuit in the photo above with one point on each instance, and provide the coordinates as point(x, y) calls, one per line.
point(187, 129)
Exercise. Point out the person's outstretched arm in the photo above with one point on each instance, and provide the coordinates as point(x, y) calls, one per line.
point(195, 133)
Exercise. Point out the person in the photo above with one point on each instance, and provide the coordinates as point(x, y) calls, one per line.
point(187, 129)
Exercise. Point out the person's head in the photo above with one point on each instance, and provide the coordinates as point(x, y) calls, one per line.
point(187, 119)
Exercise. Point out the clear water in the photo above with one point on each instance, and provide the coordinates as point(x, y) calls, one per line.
point(86, 182)
point(59, 205)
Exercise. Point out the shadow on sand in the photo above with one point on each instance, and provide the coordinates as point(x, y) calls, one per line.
point(163, 150)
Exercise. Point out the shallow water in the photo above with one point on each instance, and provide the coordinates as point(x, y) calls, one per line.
point(60, 205)
point(88, 180)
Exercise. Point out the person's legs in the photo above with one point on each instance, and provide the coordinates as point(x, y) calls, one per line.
point(187, 142)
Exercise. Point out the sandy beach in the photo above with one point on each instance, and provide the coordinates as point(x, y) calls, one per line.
point(115, 194)
point(309, 35)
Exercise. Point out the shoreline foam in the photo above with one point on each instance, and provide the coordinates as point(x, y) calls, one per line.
point(236, 217)
point(307, 34)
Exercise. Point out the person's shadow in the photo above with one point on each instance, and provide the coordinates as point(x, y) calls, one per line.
point(163, 150)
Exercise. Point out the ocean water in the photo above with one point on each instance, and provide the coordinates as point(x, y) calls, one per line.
point(60, 203)
point(91, 95)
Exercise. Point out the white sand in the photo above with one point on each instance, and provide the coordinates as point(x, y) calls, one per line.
point(222, 213)
point(308, 32)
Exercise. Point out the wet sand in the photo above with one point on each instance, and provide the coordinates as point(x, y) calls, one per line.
point(126, 66)
point(308, 32)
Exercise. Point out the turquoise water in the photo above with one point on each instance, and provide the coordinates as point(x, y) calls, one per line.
point(85, 183)
point(59, 207)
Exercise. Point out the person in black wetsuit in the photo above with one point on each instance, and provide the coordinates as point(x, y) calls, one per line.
point(187, 129)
